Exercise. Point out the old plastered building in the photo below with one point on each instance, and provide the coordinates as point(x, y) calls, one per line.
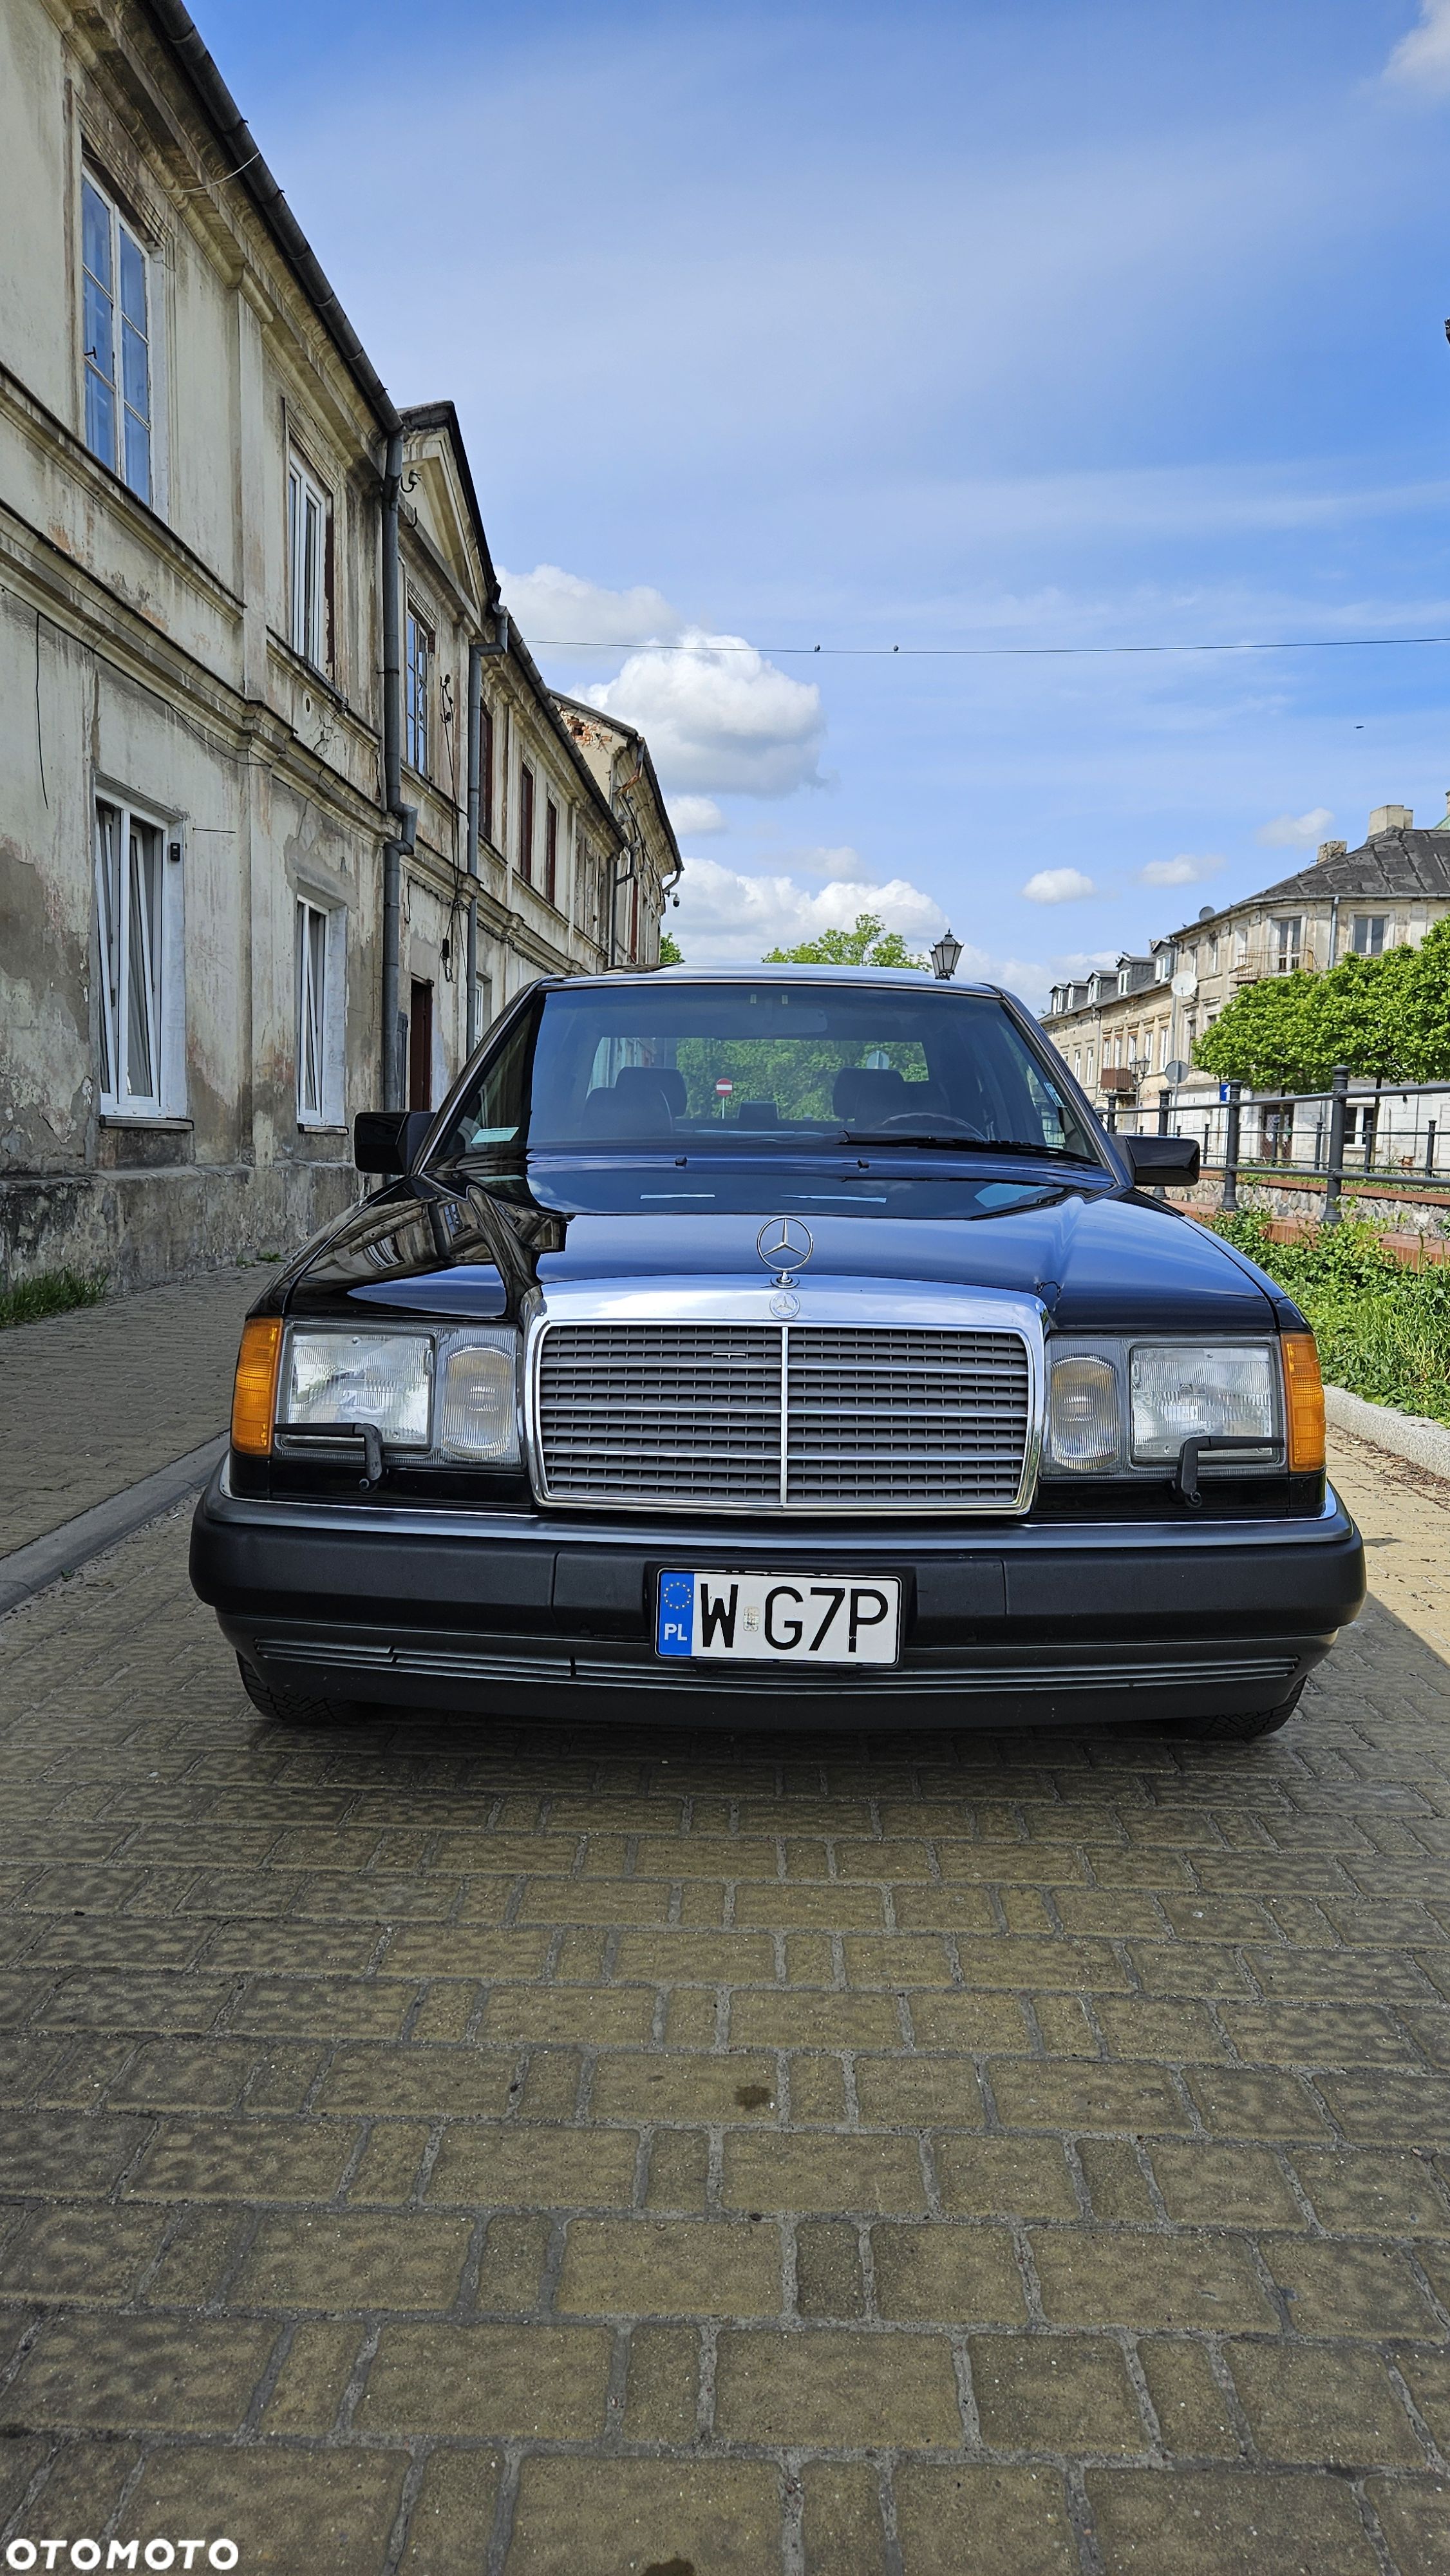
point(258, 686)
point(1121, 1030)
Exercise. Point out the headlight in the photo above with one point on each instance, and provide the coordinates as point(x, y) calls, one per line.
point(478, 1410)
point(1116, 1406)
point(448, 1396)
point(352, 1378)
point(1185, 1391)
point(1085, 1430)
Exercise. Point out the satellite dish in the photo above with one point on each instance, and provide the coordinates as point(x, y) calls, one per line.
point(1185, 983)
point(1177, 1071)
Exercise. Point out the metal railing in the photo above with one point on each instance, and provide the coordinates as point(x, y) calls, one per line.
point(1398, 1135)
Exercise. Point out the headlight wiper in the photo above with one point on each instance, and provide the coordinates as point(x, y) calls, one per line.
point(968, 1145)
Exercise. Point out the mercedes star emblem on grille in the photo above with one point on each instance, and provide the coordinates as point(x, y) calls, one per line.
point(784, 1245)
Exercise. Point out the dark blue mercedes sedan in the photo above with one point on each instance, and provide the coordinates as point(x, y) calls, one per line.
point(779, 1345)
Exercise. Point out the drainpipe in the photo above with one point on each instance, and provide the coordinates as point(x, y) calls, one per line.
point(1333, 930)
point(404, 816)
point(475, 748)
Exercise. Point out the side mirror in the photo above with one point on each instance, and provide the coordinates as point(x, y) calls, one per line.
point(1161, 1162)
point(386, 1140)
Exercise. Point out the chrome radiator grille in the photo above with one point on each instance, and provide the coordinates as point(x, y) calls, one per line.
point(783, 1417)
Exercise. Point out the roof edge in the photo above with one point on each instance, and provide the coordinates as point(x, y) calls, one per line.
point(181, 33)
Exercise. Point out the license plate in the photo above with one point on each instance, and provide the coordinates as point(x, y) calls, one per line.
point(780, 1618)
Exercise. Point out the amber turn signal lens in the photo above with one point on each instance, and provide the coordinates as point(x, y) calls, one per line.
point(1303, 1404)
point(254, 1392)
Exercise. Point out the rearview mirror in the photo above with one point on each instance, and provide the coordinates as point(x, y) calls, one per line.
point(1162, 1162)
point(386, 1140)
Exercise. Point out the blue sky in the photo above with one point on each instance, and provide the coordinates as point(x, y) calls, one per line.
point(1006, 322)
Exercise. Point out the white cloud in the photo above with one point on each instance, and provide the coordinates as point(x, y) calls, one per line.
point(1184, 870)
point(1295, 831)
point(726, 916)
point(1058, 885)
point(1423, 56)
point(695, 815)
point(556, 607)
point(843, 865)
point(718, 717)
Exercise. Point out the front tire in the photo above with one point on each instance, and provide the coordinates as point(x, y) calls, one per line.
point(291, 1707)
point(1243, 1729)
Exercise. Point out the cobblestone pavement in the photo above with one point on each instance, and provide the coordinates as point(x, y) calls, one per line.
point(437, 2148)
point(94, 1401)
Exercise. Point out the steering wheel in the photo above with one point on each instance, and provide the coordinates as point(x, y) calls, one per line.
point(916, 1120)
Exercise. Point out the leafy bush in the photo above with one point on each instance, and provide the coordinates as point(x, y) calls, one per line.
point(1383, 1332)
point(50, 1292)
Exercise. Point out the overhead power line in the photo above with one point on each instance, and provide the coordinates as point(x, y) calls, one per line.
point(988, 652)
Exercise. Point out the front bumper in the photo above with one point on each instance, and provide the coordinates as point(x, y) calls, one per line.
point(1027, 1623)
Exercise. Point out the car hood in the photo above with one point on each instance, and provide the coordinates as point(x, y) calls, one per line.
point(1100, 1262)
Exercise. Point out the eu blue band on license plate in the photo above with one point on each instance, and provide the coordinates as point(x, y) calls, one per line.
point(808, 1619)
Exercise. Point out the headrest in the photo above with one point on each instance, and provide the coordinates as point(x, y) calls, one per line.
point(866, 1094)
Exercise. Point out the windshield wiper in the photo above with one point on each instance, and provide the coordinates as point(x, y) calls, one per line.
point(969, 1144)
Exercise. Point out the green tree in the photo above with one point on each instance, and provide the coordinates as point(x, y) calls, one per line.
point(1387, 1018)
point(671, 953)
point(869, 944)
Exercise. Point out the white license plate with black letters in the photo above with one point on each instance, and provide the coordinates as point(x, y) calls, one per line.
point(780, 1618)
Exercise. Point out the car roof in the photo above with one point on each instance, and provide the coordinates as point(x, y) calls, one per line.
point(909, 978)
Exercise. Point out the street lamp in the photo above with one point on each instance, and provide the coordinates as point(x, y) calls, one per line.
point(945, 958)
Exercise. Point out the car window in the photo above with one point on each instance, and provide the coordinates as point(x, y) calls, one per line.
point(763, 1064)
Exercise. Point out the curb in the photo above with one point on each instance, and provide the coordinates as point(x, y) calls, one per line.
point(1409, 1435)
point(27, 1570)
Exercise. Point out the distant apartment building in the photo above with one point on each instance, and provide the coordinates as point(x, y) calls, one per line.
point(1123, 1029)
point(287, 811)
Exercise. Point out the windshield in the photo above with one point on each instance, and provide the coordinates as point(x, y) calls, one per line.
point(676, 1067)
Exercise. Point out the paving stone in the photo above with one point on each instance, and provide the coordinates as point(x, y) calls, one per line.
point(1200, 2522)
point(601, 2517)
point(1387, 2190)
point(942, 2513)
point(843, 2532)
point(1055, 2393)
point(663, 2388)
point(316, 2259)
point(328, 2511)
point(956, 2275)
point(1208, 2282)
point(865, 2174)
point(1194, 2414)
point(533, 2165)
point(1008, 2177)
point(535, 2381)
point(1314, 2404)
point(1206, 2185)
point(822, 2385)
point(195, 2375)
point(665, 2267)
point(1347, 2289)
point(453, 2511)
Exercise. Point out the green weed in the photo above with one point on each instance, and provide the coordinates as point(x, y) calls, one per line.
point(50, 1292)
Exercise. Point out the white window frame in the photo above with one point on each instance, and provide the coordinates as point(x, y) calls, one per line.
point(419, 651)
point(319, 994)
point(309, 516)
point(140, 952)
point(118, 351)
point(1287, 950)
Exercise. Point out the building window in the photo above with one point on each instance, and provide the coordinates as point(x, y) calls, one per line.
point(526, 824)
point(485, 773)
point(117, 340)
point(132, 904)
point(312, 1030)
point(551, 850)
point(1287, 942)
point(419, 677)
point(420, 1047)
point(309, 536)
point(1368, 936)
point(1241, 944)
